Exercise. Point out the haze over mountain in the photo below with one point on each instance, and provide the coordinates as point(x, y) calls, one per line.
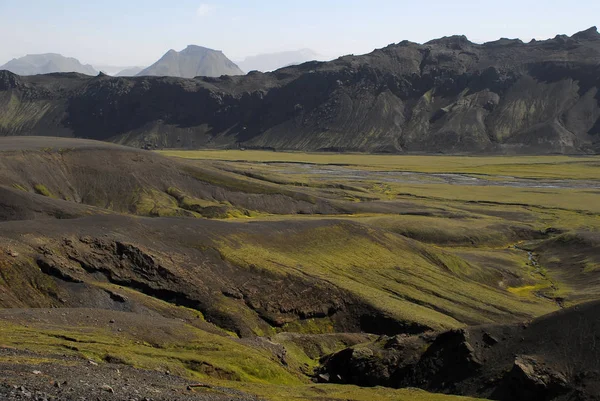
point(34, 64)
point(110, 69)
point(274, 61)
point(115, 70)
point(129, 72)
point(447, 95)
point(191, 62)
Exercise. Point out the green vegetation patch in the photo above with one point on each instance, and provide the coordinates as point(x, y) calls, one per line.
point(322, 392)
point(192, 353)
point(150, 202)
point(41, 189)
point(207, 208)
point(518, 166)
point(403, 278)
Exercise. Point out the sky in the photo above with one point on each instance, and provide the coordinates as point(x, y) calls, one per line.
point(139, 32)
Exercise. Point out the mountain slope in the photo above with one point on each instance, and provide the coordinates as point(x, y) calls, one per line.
point(192, 62)
point(448, 95)
point(274, 61)
point(34, 64)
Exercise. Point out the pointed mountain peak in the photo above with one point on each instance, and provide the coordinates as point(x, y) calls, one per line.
point(588, 34)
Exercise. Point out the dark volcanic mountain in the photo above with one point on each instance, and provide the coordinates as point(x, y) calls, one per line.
point(34, 64)
point(192, 62)
point(447, 95)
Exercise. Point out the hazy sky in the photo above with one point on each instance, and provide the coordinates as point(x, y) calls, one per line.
point(138, 32)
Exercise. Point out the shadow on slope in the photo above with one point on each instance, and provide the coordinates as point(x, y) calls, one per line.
point(126, 180)
point(554, 357)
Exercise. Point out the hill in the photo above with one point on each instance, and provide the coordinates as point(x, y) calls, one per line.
point(274, 61)
point(34, 64)
point(129, 272)
point(193, 61)
point(449, 95)
point(91, 182)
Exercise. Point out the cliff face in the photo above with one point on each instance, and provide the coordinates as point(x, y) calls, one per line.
point(448, 95)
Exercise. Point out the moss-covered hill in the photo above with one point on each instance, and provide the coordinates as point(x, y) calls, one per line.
point(245, 275)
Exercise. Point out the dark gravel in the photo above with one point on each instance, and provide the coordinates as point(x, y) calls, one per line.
point(67, 378)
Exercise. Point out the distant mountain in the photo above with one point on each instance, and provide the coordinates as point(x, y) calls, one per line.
point(191, 62)
point(110, 69)
point(120, 71)
point(34, 64)
point(274, 61)
point(129, 72)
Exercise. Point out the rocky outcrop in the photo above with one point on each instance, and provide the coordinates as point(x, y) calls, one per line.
point(531, 379)
point(377, 364)
point(427, 361)
point(554, 357)
point(449, 359)
point(8, 80)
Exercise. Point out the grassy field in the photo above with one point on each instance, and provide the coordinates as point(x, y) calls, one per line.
point(175, 347)
point(411, 282)
point(532, 169)
point(518, 166)
point(514, 199)
point(425, 242)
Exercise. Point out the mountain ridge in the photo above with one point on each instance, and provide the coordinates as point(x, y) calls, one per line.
point(449, 95)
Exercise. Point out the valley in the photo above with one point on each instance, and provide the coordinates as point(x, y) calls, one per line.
point(299, 201)
point(213, 274)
